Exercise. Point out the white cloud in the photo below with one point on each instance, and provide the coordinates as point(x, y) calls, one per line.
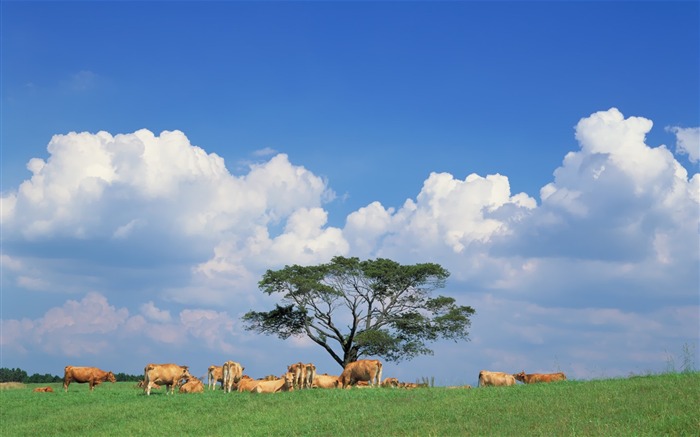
point(687, 141)
point(151, 312)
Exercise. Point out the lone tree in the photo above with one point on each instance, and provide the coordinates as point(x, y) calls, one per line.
point(356, 308)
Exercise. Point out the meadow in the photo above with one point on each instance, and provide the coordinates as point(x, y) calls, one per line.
point(653, 405)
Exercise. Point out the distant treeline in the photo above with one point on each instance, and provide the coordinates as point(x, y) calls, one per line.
point(19, 375)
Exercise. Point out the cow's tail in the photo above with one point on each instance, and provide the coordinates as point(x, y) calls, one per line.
point(481, 379)
point(379, 373)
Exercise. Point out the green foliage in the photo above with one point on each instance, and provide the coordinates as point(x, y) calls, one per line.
point(391, 312)
point(654, 405)
point(12, 375)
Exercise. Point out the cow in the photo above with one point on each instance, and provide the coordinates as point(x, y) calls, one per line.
point(309, 375)
point(325, 381)
point(286, 383)
point(362, 370)
point(43, 390)
point(487, 378)
point(390, 382)
point(298, 370)
point(532, 378)
point(91, 375)
point(215, 374)
point(247, 383)
point(232, 373)
point(169, 375)
point(192, 385)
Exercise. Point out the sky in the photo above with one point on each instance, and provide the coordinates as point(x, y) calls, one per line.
point(159, 157)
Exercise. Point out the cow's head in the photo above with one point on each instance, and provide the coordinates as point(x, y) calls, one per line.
point(520, 376)
point(289, 381)
point(110, 377)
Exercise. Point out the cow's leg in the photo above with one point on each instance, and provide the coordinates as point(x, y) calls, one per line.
point(66, 383)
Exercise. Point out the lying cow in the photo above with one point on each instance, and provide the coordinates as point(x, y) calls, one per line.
point(286, 383)
point(142, 384)
point(215, 374)
point(325, 381)
point(362, 370)
point(390, 383)
point(43, 390)
point(91, 375)
point(169, 375)
point(487, 378)
point(532, 378)
point(247, 383)
point(192, 385)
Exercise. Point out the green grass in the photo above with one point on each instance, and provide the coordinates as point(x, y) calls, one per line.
point(655, 405)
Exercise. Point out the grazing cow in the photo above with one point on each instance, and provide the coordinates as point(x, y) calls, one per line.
point(43, 390)
point(390, 382)
point(325, 381)
point(309, 375)
point(487, 378)
point(169, 375)
point(532, 378)
point(143, 383)
point(286, 383)
point(232, 373)
point(192, 385)
point(299, 371)
point(91, 375)
point(362, 370)
point(215, 374)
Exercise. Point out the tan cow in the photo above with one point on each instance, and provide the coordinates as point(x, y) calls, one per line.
point(362, 370)
point(193, 385)
point(390, 382)
point(143, 383)
point(232, 373)
point(299, 371)
point(309, 375)
point(43, 390)
point(532, 378)
point(91, 375)
point(215, 374)
point(325, 381)
point(286, 383)
point(247, 383)
point(487, 378)
point(169, 375)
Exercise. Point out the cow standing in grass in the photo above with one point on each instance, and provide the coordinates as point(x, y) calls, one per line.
point(533, 378)
point(90, 375)
point(169, 375)
point(362, 370)
point(487, 378)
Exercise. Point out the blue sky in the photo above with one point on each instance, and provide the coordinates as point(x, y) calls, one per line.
point(158, 157)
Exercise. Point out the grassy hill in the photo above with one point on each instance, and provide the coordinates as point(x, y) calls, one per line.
point(653, 405)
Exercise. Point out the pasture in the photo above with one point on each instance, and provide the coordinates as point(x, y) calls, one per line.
point(654, 405)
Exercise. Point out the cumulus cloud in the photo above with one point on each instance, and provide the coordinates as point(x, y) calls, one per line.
point(611, 245)
point(687, 141)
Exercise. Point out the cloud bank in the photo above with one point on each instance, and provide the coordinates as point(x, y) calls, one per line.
point(609, 249)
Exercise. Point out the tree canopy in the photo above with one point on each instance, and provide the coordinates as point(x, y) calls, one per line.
point(356, 308)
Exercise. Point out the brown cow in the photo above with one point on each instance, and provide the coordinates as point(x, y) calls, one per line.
point(247, 383)
point(390, 382)
point(215, 374)
point(142, 384)
point(487, 378)
point(43, 390)
point(91, 375)
point(299, 371)
point(286, 383)
point(362, 370)
point(169, 375)
point(309, 375)
point(532, 378)
point(192, 385)
point(232, 373)
point(325, 381)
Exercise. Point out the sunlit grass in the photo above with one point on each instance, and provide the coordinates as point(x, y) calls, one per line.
point(652, 405)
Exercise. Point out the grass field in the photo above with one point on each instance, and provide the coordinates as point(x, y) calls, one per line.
point(655, 405)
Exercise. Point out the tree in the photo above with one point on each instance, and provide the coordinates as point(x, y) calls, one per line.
point(356, 308)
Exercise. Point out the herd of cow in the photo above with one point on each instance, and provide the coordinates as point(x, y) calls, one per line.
point(361, 373)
